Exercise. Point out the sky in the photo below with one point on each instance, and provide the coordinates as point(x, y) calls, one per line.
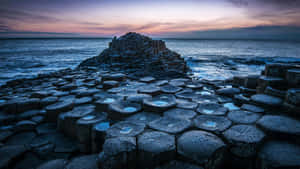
point(158, 18)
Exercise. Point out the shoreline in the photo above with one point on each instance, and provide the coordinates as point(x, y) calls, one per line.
point(236, 109)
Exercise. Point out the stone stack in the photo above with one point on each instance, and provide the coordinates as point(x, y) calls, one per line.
point(138, 55)
point(277, 86)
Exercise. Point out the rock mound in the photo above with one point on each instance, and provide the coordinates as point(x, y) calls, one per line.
point(139, 56)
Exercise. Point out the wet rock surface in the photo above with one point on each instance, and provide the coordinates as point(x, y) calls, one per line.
point(200, 147)
point(122, 115)
point(155, 148)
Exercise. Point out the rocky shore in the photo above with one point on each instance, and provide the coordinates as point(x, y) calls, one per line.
point(105, 116)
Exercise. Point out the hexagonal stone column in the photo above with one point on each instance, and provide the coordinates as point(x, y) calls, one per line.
point(201, 147)
point(215, 124)
point(150, 89)
point(211, 109)
point(143, 117)
point(118, 153)
point(121, 109)
point(125, 129)
point(114, 76)
point(159, 103)
point(67, 121)
point(98, 135)
point(53, 110)
point(278, 126)
point(84, 130)
point(180, 113)
point(170, 125)
point(169, 89)
point(266, 100)
point(244, 139)
point(243, 117)
point(278, 154)
point(103, 103)
point(155, 148)
point(185, 104)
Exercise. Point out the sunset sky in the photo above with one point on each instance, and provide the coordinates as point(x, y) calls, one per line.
point(161, 18)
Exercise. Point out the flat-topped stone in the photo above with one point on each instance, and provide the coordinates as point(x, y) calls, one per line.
point(266, 100)
point(169, 89)
point(278, 154)
point(121, 109)
point(205, 99)
point(211, 109)
point(110, 84)
point(98, 135)
point(244, 139)
point(103, 103)
point(114, 77)
point(155, 148)
point(186, 94)
point(201, 147)
point(194, 85)
point(179, 113)
point(228, 91)
point(185, 104)
point(243, 117)
point(54, 110)
point(84, 130)
point(137, 98)
point(67, 121)
point(118, 153)
point(147, 79)
point(170, 125)
point(143, 117)
point(125, 129)
point(149, 89)
point(159, 103)
point(212, 123)
point(280, 124)
point(252, 108)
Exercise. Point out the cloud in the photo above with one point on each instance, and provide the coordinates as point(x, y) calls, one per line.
point(256, 33)
point(18, 15)
point(4, 28)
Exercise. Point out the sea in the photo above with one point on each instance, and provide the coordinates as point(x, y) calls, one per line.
point(207, 59)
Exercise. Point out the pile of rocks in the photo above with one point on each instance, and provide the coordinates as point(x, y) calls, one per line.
point(139, 56)
point(278, 86)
